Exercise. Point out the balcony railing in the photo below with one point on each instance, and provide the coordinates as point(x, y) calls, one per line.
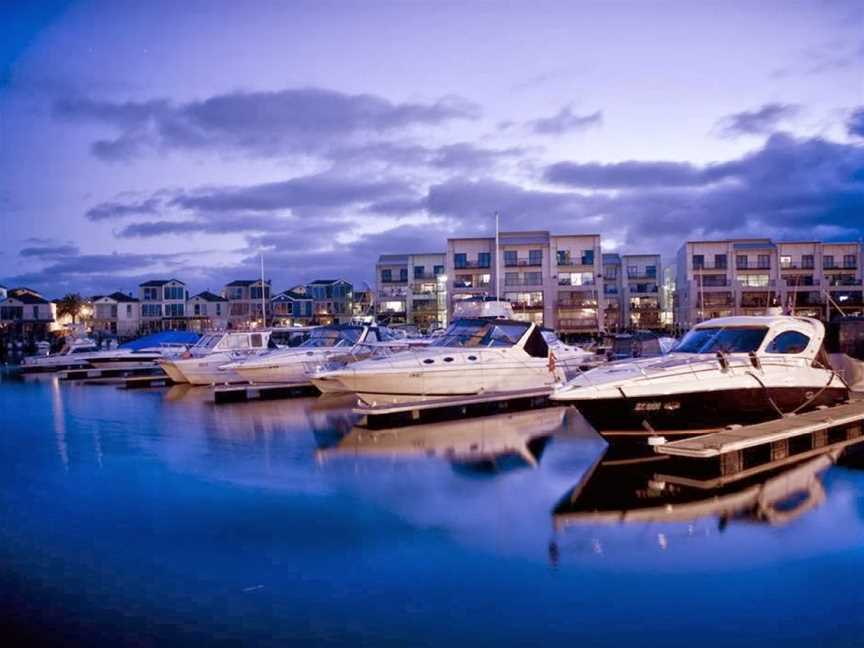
point(425, 275)
point(710, 266)
point(393, 280)
point(470, 284)
point(580, 261)
point(840, 266)
point(642, 275)
point(644, 289)
point(797, 266)
point(577, 323)
point(523, 282)
point(566, 281)
point(791, 283)
point(519, 263)
point(523, 306)
point(576, 303)
point(472, 264)
point(842, 281)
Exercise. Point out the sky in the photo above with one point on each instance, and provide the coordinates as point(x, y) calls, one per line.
point(155, 140)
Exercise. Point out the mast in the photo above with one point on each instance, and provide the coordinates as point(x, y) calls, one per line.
point(263, 295)
point(497, 264)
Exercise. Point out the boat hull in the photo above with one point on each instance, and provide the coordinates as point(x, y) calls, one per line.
point(701, 410)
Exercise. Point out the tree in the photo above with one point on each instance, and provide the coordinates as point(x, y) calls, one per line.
point(70, 305)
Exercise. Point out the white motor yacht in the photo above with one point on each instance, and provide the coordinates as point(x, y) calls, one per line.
point(332, 345)
point(731, 370)
point(202, 364)
point(75, 354)
point(474, 356)
point(131, 359)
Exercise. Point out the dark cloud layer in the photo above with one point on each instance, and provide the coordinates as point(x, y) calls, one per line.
point(117, 209)
point(258, 123)
point(761, 121)
point(565, 121)
point(48, 252)
point(855, 124)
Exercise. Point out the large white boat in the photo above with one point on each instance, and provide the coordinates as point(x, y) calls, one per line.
point(332, 345)
point(202, 364)
point(732, 370)
point(131, 359)
point(474, 356)
point(75, 354)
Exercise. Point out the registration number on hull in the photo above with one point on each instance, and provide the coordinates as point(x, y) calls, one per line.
point(656, 406)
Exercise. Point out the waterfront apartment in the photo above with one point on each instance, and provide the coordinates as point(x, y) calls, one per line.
point(116, 314)
point(26, 313)
point(163, 304)
point(746, 276)
point(207, 311)
point(331, 300)
point(550, 279)
point(292, 307)
point(412, 289)
point(642, 295)
point(246, 300)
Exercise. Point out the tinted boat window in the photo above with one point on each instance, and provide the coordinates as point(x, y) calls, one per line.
point(726, 340)
point(788, 342)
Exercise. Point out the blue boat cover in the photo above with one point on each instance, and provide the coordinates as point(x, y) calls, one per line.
point(165, 337)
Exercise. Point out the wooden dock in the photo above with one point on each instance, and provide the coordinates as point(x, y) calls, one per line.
point(442, 409)
point(95, 374)
point(261, 391)
point(739, 449)
point(143, 382)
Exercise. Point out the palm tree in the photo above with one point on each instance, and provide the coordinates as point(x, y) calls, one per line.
point(70, 305)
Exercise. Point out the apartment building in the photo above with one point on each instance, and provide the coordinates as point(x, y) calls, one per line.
point(292, 307)
point(26, 313)
point(246, 300)
point(412, 288)
point(331, 300)
point(163, 304)
point(116, 314)
point(549, 279)
point(613, 292)
point(747, 276)
point(642, 295)
point(207, 311)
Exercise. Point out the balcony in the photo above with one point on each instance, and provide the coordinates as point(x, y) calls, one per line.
point(723, 267)
point(844, 266)
point(576, 303)
point(644, 288)
point(472, 264)
point(642, 275)
point(391, 280)
point(520, 263)
point(577, 324)
point(470, 284)
point(516, 283)
point(570, 261)
point(567, 281)
point(519, 306)
point(792, 283)
point(842, 281)
point(428, 276)
point(797, 266)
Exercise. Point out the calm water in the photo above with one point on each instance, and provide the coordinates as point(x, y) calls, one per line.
point(154, 516)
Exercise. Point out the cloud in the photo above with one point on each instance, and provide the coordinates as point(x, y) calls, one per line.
point(115, 209)
point(256, 123)
point(565, 121)
point(855, 123)
point(761, 121)
point(49, 251)
point(628, 174)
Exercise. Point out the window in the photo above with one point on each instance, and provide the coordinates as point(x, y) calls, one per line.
point(511, 279)
point(535, 257)
point(128, 310)
point(849, 261)
point(563, 257)
point(632, 272)
point(196, 309)
point(174, 310)
point(611, 272)
point(403, 274)
point(463, 281)
point(36, 312)
point(763, 261)
point(698, 261)
point(510, 258)
point(150, 294)
point(828, 261)
point(588, 257)
point(785, 261)
point(650, 271)
point(219, 309)
point(151, 310)
point(788, 342)
point(533, 278)
point(387, 276)
point(725, 340)
point(741, 262)
point(460, 260)
point(719, 260)
point(255, 292)
point(439, 270)
point(175, 292)
point(807, 261)
point(419, 271)
point(754, 280)
point(484, 260)
point(235, 292)
point(257, 340)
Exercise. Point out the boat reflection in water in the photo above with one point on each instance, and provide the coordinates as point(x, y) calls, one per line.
point(664, 494)
point(489, 444)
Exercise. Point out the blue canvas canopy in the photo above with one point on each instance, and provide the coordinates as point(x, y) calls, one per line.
point(165, 337)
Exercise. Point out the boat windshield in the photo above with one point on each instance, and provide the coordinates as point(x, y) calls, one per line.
point(208, 341)
point(333, 338)
point(482, 333)
point(724, 340)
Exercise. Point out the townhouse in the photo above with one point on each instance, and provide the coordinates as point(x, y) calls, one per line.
point(26, 313)
point(748, 276)
point(163, 304)
point(207, 311)
point(292, 307)
point(116, 314)
point(248, 302)
point(412, 289)
point(331, 300)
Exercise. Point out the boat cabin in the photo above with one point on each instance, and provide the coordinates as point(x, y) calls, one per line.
point(490, 333)
point(758, 335)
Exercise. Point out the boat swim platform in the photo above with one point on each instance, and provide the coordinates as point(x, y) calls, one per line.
point(93, 374)
point(376, 416)
point(261, 391)
point(794, 436)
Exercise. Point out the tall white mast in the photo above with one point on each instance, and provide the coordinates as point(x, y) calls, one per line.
point(263, 295)
point(497, 264)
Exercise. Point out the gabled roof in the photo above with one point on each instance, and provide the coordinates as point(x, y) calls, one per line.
point(209, 297)
point(327, 282)
point(246, 282)
point(122, 298)
point(155, 283)
point(14, 292)
point(292, 295)
point(28, 298)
